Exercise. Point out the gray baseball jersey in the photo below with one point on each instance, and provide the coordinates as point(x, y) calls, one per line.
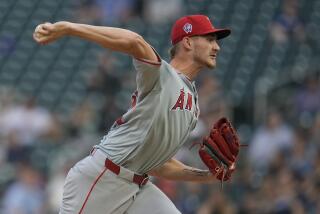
point(164, 111)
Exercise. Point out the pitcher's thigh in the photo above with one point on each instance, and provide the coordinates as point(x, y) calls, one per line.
point(72, 194)
point(90, 189)
point(152, 200)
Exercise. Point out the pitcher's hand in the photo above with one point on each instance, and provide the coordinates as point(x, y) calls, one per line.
point(47, 32)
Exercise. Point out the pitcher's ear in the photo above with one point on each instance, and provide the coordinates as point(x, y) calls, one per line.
point(187, 43)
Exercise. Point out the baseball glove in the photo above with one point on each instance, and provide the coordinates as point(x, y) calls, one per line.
point(219, 150)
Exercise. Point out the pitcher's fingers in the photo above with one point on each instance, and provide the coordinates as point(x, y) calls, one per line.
point(47, 26)
point(40, 39)
point(37, 27)
point(43, 31)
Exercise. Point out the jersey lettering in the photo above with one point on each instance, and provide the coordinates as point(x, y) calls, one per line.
point(180, 101)
point(189, 102)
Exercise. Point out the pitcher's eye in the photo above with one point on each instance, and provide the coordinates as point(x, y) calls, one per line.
point(211, 38)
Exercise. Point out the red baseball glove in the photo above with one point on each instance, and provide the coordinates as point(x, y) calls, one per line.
point(220, 149)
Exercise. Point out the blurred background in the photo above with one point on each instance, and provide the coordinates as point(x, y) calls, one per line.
point(57, 101)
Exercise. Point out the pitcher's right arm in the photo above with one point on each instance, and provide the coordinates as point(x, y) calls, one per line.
point(116, 39)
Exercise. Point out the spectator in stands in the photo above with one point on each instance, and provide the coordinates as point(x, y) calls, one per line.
point(307, 189)
point(159, 12)
point(25, 195)
point(192, 198)
point(212, 103)
point(7, 98)
point(249, 204)
point(315, 133)
point(104, 80)
point(82, 120)
point(28, 122)
point(7, 45)
point(110, 12)
point(117, 11)
point(287, 24)
point(285, 197)
point(270, 139)
point(108, 114)
point(264, 195)
point(217, 202)
point(316, 181)
point(307, 99)
point(22, 126)
point(302, 155)
point(88, 12)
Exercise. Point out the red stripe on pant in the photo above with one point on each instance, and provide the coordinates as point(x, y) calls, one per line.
point(92, 186)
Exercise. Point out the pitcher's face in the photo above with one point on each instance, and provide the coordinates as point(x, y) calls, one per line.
point(205, 51)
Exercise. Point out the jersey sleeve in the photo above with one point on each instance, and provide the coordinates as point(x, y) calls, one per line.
point(148, 73)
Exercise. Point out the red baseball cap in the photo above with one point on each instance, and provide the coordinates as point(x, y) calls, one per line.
point(195, 25)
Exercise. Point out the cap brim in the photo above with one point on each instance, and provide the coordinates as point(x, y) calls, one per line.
point(221, 33)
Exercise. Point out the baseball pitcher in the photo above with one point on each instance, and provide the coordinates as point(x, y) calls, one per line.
point(114, 178)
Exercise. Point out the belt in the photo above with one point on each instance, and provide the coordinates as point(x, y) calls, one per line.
point(122, 172)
